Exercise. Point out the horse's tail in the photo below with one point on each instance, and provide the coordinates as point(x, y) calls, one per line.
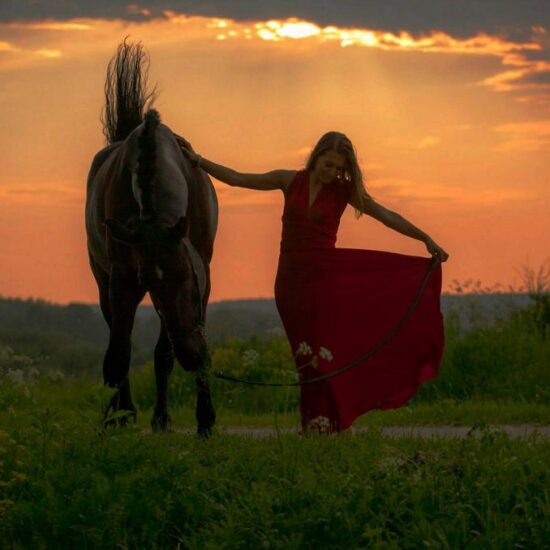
point(145, 169)
point(126, 91)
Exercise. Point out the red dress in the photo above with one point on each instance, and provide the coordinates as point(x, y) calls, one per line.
point(346, 300)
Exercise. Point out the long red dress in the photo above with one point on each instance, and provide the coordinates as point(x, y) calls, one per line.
point(346, 300)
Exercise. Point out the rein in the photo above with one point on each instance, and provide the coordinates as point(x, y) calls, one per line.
point(391, 334)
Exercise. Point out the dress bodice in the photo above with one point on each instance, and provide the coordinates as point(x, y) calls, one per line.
point(306, 227)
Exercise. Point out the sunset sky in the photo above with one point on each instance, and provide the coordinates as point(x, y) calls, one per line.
point(447, 104)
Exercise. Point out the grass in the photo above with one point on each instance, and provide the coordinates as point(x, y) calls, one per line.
point(87, 399)
point(66, 481)
point(67, 484)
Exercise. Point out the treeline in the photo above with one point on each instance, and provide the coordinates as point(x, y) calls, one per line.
point(84, 323)
point(229, 319)
point(506, 360)
point(72, 338)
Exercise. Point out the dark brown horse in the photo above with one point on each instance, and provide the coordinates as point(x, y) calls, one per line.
point(151, 220)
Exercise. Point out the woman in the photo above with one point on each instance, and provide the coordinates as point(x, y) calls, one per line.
point(336, 304)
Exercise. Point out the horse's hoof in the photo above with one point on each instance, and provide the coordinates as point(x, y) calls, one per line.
point(204, 432)
point(161, 422)
point(121, 421)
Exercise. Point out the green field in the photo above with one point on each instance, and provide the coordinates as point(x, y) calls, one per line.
point(67, 482)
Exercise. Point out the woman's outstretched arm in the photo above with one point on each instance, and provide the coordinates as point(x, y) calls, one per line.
point(395, 221)
point(275, 179)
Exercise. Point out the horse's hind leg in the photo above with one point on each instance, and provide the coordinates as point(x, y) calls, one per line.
point(205, 412)
point(164, 363)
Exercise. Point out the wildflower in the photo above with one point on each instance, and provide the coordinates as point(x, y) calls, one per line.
point(56, 375)
point(15, 376)
point(18, 476)
point(34, 373)
point(304, 349)
point(324, 353)
point(5, 505)
point(250, 357)
point(320, 424)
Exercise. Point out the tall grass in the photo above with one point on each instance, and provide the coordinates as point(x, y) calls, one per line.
point(63, 484)
point(66, 481)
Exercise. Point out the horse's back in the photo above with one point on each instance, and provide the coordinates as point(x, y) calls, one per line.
point(180, 190)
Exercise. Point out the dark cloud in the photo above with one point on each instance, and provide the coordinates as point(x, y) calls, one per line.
point(537, 78)
point(535, 55)
point(512, 18)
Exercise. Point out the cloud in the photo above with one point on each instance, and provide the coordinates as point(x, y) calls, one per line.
point(50, 26)
point(525, 55)
point(40, 193)
point(7, 47)
point(535, 99)
point(464, 18)
point(26, 53)
point(237, 197)
point(428, 141)
point(460, 127)
point(134, 9)
point(524, 136)
point(412, 192)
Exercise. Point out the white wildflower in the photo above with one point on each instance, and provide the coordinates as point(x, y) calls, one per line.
point(34, 373)
point(304, 349)
point(56, 375)
point(320, 424)
point(15, 376)
point(26, 391)
point(250, 357)
point(324, 353)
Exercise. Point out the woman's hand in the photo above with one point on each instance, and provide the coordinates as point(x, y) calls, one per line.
point(187, 150)
point(435, 250)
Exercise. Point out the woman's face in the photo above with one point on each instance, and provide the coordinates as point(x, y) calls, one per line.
point(329, 166)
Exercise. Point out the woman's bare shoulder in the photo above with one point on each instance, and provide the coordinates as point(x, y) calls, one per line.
point(285, 178)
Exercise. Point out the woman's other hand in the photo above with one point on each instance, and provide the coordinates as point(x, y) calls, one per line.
point(436, 251)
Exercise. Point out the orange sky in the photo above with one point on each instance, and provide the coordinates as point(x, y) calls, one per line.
point(451, 133)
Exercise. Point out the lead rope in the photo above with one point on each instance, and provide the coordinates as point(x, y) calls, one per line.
point(391, 334)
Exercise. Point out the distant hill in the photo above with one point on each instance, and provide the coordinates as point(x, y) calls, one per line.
point(228, 319)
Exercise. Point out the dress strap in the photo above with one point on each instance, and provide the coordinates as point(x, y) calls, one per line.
point(296, 180)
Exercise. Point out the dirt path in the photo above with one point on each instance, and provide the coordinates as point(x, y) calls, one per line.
point(515, 430)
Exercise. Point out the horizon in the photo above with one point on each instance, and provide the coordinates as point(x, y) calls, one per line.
point(450, 117)
point(254, 299)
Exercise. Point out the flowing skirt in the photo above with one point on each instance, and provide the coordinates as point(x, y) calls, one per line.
point(346, 301)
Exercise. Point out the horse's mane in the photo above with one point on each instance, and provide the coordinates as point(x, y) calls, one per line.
point(126, 92)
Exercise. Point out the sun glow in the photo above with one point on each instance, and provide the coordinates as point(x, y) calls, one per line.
point(435, 142)
point(293, 29)
point(51, 26)
point(50, 54)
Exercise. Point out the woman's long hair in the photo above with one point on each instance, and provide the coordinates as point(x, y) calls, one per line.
point(126, 92)
point(336, 141)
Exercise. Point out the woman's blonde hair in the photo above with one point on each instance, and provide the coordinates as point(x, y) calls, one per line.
point(336, 141)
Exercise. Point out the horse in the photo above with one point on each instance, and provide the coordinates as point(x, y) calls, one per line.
point(151, 219)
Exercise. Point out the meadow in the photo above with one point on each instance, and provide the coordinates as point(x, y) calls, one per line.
point(67, 481)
